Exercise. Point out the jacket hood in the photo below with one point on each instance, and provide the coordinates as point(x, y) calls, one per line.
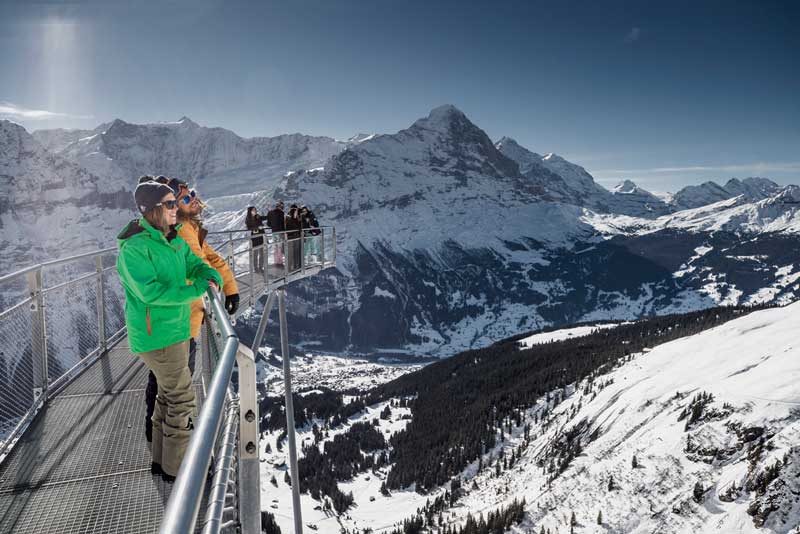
point(130, 230)
point(137, 226)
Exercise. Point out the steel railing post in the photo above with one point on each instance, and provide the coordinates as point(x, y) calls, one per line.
point(262, 324)
point(101, 306)
point(333, 244)
point(302, 251)
point(252, 274)
point(265, 261)
point(38, 335)
point(287, 384)
point(285, 258)
point(249, 486)
point(231, 257)
point(322, 248)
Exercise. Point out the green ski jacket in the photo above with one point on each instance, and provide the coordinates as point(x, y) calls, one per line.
point(154, 271)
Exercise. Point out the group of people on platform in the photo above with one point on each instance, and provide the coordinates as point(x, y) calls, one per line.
point(165, 266)
point(287, 228)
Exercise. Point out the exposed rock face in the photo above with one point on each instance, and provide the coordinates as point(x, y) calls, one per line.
point(50, 207)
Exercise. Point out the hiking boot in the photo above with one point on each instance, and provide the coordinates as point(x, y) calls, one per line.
point(167, 478)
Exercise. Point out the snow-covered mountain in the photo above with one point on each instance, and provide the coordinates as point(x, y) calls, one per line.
point(216, 159)
point(630, 199)
point(446, 242)
point(695, 196)
point(561, 180)
point(569, 183)
point(50, 207)
point(56, 140)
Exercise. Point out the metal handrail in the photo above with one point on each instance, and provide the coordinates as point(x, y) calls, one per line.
point(180, 514)
point(51, 263)
point(228, 232)
point(217, 496)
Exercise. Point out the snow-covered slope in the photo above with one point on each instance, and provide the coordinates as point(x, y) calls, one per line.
point(751, 368)
point(218, 160)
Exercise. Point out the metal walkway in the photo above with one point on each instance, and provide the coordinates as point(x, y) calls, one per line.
point(83, 464)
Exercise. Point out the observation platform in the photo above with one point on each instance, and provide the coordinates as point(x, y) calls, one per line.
point(77, 460)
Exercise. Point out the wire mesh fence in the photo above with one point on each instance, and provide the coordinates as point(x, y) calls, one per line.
point(113, 296)
point(71, 325)
point(16, 368)
point(51, 318)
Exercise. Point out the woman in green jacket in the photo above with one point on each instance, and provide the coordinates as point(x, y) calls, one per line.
point(154, 265)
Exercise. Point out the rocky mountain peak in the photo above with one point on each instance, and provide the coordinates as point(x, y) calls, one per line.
point(445, 119)
point(186, 122)
point(14, 140)
point(626, 186)
point(508, 142)
point(360, 137)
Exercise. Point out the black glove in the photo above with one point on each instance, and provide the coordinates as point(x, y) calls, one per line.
point(232, 303)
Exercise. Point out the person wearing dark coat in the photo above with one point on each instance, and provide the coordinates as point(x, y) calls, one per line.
point(255, 223)
point(293, 228)
point(275, 220)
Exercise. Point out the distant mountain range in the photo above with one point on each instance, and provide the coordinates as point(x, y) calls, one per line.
point(450, 241)
point(447, 240)
point(217, 159)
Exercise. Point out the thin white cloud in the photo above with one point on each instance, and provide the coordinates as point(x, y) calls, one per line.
point(633, 35)
point(9, 110)
point(742, 168)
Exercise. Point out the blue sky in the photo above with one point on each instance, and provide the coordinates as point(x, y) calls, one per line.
point(663, 93)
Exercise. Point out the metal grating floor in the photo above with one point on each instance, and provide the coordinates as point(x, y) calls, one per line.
point(84, 465)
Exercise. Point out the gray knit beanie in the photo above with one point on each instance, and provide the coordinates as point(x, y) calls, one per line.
point(148, 194)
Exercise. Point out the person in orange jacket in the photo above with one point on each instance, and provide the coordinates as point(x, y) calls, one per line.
point(192, 231)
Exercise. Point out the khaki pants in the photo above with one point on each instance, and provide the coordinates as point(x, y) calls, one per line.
point(175, 404)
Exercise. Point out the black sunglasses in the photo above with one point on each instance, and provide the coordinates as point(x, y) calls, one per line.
point(169, 204)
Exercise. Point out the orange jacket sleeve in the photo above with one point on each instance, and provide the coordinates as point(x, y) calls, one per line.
point(229, 286)
point(189, 234)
